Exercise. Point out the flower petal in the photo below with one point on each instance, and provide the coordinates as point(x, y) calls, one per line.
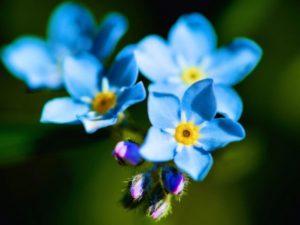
point(30, 60)
point(163, 110)
point(111, 31)
point(194, 162)
point(192, 36)
point(63, 110)
point(91, 126)
point(199, 101)
point(124, 71)
point(71, 26)
point(82, 75)
point(233, 63)
point(158, 146)
point(229, 102)
point(220, 132)
point(130, 96)
point(155, 59)
point(168, 88)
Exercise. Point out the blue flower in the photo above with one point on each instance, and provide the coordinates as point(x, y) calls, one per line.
point(72, 30)
point(190, 54)
point(187, 131)
point(97, 97)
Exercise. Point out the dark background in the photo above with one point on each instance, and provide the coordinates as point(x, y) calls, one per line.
point(60, 175)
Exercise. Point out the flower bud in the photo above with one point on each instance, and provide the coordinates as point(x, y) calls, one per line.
point(159, 209)
point(139, 186)
point(127, 152)
point(173, 180)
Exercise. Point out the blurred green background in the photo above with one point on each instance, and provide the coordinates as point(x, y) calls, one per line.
point(59, 175)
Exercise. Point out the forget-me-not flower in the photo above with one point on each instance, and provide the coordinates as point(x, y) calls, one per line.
point(97, 97)
point(71, 30)
point(186, 130)
point(190, 54)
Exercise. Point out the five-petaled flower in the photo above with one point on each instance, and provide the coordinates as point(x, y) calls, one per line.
point(190, 55)
point(97, 96)
point(186, 130)
point(72, 30)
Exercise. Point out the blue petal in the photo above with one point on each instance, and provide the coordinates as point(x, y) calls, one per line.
point(130, 96)
point(220, 132)
point(126, 51)
point(233, 63)
point(199, 101)
point(92, 126)
point(82, 75)
point(63, 110)
point(163, 110)
point(155, 59)
point(194, 162)
point(72, 26)
point(111, 31)
point(158, 146)
point(30, 60)
point(192, 36)
point(229, 102)
point(168, 88)
point(124, 71)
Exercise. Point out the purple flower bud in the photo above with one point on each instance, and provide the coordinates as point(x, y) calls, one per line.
point(127, 152)
point(173, 180)
point(139, 186)
point(159, 209)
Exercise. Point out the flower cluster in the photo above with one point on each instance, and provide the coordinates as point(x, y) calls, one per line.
point(72, 57)
point(183, 135)
point(192, 106)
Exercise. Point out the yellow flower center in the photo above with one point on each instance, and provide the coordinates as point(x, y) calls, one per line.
point(104, 101)
point(187, 133)
point(191, 75)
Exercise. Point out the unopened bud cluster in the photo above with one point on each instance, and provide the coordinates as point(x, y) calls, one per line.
point(153, 189)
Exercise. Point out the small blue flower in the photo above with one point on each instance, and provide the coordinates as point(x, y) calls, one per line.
point(187, 131)
point(97, 97)
point(190, 54)
point(72, 30)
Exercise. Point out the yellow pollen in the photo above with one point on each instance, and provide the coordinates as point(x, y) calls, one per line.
point(187, 133)
point(104, 101)
point(191, 75)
